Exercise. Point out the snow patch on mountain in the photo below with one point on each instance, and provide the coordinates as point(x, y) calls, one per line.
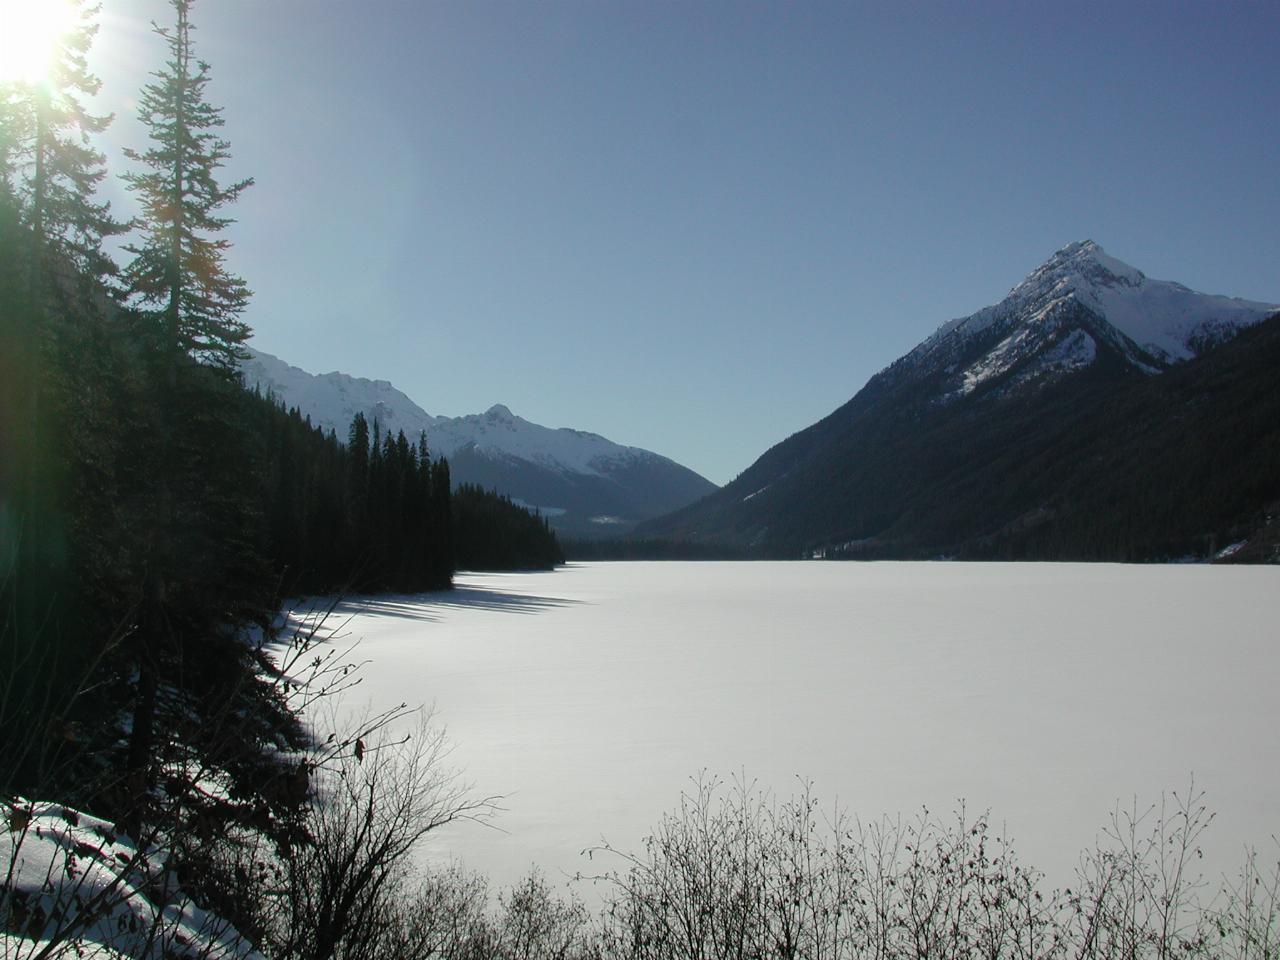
point(1010, 350)
point(332, 400)
point(1074, 351)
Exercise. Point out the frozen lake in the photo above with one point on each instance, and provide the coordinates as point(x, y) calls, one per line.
point(1046, 693)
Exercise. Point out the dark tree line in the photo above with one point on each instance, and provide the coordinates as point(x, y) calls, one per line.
point(496, 534)
point(373, 514)
point(378, 512)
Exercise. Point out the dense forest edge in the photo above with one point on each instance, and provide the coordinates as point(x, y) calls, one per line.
point(166, 790)
point(153, 512)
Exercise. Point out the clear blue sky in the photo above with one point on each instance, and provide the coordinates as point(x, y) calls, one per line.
point(700, 227)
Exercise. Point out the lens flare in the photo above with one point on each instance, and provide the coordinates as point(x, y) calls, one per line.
point(30, 31)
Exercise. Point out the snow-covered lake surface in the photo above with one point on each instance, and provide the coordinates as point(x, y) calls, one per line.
point(1047, 693)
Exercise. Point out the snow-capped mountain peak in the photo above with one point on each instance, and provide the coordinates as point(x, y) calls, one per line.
point(499, 432)
point(1082, 270)
point(1083, 265)
point(1078, 304)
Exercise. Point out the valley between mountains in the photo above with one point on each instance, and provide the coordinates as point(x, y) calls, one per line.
point(1092, 414)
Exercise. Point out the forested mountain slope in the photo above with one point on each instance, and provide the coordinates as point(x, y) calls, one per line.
point(1034, 428)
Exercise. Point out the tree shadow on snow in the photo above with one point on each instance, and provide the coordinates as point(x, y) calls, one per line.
point(430, 606)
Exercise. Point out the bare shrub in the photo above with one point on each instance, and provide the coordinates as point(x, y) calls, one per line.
point(534, 924)
point(1138, 891)
point(957, 890)
point(443, 916)
point(1245, 924)
point(734, 874)
point(372, 808)
point(698, 889)
point(448, 914)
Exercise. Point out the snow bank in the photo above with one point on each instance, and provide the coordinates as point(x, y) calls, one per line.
point(74, 881)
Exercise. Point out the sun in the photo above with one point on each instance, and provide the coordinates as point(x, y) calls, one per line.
point(30, 31)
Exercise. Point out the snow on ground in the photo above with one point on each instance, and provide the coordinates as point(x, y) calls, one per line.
point(1046, 692)
point(75, 881)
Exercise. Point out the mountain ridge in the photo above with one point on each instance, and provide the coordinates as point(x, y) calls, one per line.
point(1151, 324)
point(585, 484)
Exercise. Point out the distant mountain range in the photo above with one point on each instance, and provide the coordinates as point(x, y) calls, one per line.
point(1092, 413)
point(585, 485)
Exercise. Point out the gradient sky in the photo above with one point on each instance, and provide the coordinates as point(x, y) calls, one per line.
point(700, 227)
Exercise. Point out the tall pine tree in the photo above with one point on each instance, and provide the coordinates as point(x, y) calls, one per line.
point(200, 541)
point(179, 270)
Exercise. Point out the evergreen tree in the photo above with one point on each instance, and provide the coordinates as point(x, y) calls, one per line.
point(358, 443)
point(358, 481)
point(442, 522)
point(192, 306)
point(179, 270)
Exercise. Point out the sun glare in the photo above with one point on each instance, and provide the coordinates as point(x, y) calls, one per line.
point(29, 35)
